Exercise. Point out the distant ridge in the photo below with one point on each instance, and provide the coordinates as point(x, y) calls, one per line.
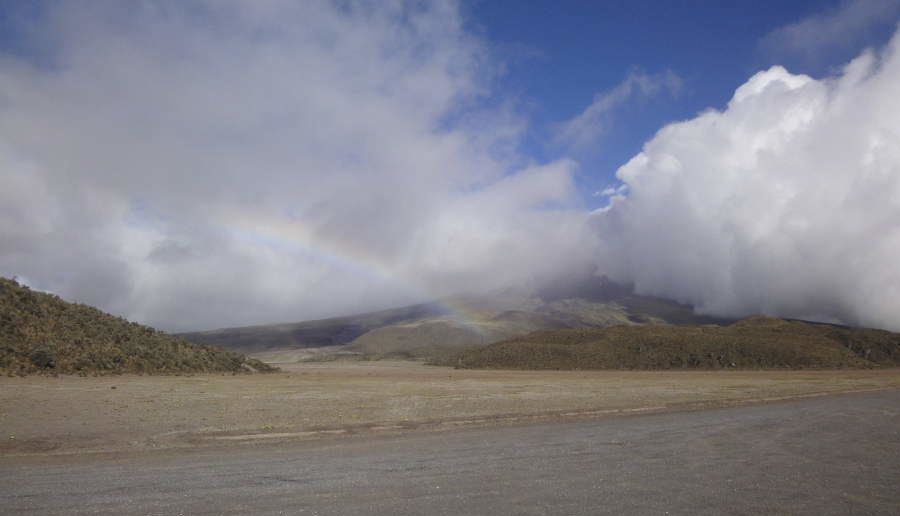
point(42, 334)
point(429, 329)
point(753, 343)
point(333, 331)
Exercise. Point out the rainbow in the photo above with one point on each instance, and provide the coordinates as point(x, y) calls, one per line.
point(299, 238)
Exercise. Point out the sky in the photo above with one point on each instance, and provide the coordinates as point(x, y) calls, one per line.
point(202, 164)
point(560, 56)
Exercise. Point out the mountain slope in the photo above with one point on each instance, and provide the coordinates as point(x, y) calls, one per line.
point(431, 329)
point(41, 333)
point(757, 342)
point(429, 337)
point(310, 334)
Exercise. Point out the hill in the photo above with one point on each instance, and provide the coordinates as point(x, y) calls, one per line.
point(488, 320)
point(40, 333)
point(428, 330)
point(754, 343)
point(310, 334)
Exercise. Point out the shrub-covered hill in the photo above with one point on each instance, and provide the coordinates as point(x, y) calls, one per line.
point(754, 343)
point(42, 334)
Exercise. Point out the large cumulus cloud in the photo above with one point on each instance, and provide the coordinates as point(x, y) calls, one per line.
point(202, 164)
point(787, 202)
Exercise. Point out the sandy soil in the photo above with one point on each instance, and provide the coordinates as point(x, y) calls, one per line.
point(40, 415)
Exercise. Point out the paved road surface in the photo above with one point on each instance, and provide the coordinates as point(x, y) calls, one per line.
point(830, 455)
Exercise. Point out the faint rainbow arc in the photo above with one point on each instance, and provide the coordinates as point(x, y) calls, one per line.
point(347, 257)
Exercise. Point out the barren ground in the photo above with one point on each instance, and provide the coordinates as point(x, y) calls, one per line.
point(41, 415)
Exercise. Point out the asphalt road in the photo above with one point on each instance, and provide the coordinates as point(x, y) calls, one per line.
point(828, 455)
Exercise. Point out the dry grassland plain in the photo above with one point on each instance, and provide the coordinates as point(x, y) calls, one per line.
point(74, 415)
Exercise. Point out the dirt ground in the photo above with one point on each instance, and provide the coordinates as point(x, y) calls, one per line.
point(41, 415)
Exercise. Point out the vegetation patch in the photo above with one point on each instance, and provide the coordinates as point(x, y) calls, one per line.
point(42, 334)
point(754, 343)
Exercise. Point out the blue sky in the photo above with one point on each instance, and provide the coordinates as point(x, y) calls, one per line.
point(560, 54)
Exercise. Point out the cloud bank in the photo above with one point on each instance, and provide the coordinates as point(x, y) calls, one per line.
point(212, 163)
point(787, 202)
point(203, 164)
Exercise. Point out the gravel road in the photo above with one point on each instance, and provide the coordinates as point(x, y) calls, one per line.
point(826, 455)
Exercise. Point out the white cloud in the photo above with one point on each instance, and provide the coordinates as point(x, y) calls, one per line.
point(787, 202)
point(584, 129)
point(200, 164)
point(840, 27)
